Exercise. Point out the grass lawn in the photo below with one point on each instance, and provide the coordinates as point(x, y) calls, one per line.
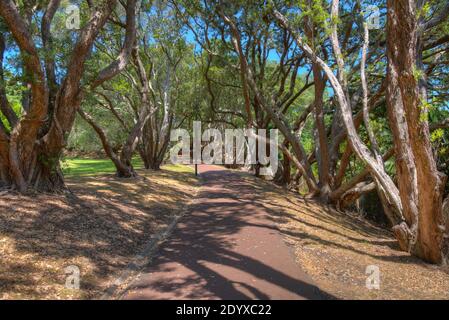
point(88, 167)
point(76, 167)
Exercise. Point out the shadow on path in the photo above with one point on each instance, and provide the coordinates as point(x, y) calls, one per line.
point(226, 247)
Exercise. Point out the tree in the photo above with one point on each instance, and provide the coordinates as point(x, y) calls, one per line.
point(169, 51)
point(30, 152)
point(420, 225)
point(420, 183)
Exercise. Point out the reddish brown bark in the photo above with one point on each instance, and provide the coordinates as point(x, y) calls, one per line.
point(32, 150)
point(420, 183)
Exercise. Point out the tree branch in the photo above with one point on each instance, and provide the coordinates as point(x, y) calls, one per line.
point(130, 37)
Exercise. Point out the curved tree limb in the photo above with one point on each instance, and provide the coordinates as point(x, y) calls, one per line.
point(130, 37)
point(357, 145)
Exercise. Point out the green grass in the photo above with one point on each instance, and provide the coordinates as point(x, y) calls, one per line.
point(178, 168)
point(74, 167)
point(91, 167)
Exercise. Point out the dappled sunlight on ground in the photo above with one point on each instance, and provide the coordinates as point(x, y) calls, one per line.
point(225, 247)
point(335, 249)
point(99, 227)
point(106, 221)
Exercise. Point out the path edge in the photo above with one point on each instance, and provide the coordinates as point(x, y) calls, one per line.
point(121, 284)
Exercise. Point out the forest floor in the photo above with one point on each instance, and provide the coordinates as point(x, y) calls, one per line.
point(105, 222)
point(335, 249)
point(99, 228)
point(226, 247)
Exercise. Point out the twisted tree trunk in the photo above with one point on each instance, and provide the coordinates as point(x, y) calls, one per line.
point(30, 152)
point(420, 183)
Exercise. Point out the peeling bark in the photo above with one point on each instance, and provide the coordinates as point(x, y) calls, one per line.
point(420, 183)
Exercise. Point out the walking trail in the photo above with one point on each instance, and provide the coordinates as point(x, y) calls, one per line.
point(225, 247)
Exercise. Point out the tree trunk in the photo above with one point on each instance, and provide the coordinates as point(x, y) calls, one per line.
point(322, 143)
point(155, 137)
point(123, 169)
point(323, 163)
point(30, 153)
point(285, 178)
point(420, 183)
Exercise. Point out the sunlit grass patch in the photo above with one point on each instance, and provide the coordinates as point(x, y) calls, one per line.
point(89, 167)
point(178, 168)
point(73, 167)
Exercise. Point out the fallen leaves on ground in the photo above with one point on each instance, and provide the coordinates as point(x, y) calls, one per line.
point(336, 248)
point(99, 227)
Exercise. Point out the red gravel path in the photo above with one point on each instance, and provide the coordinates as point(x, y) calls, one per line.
point(225, 247)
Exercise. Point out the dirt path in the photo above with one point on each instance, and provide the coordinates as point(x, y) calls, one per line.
point(226, 247)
